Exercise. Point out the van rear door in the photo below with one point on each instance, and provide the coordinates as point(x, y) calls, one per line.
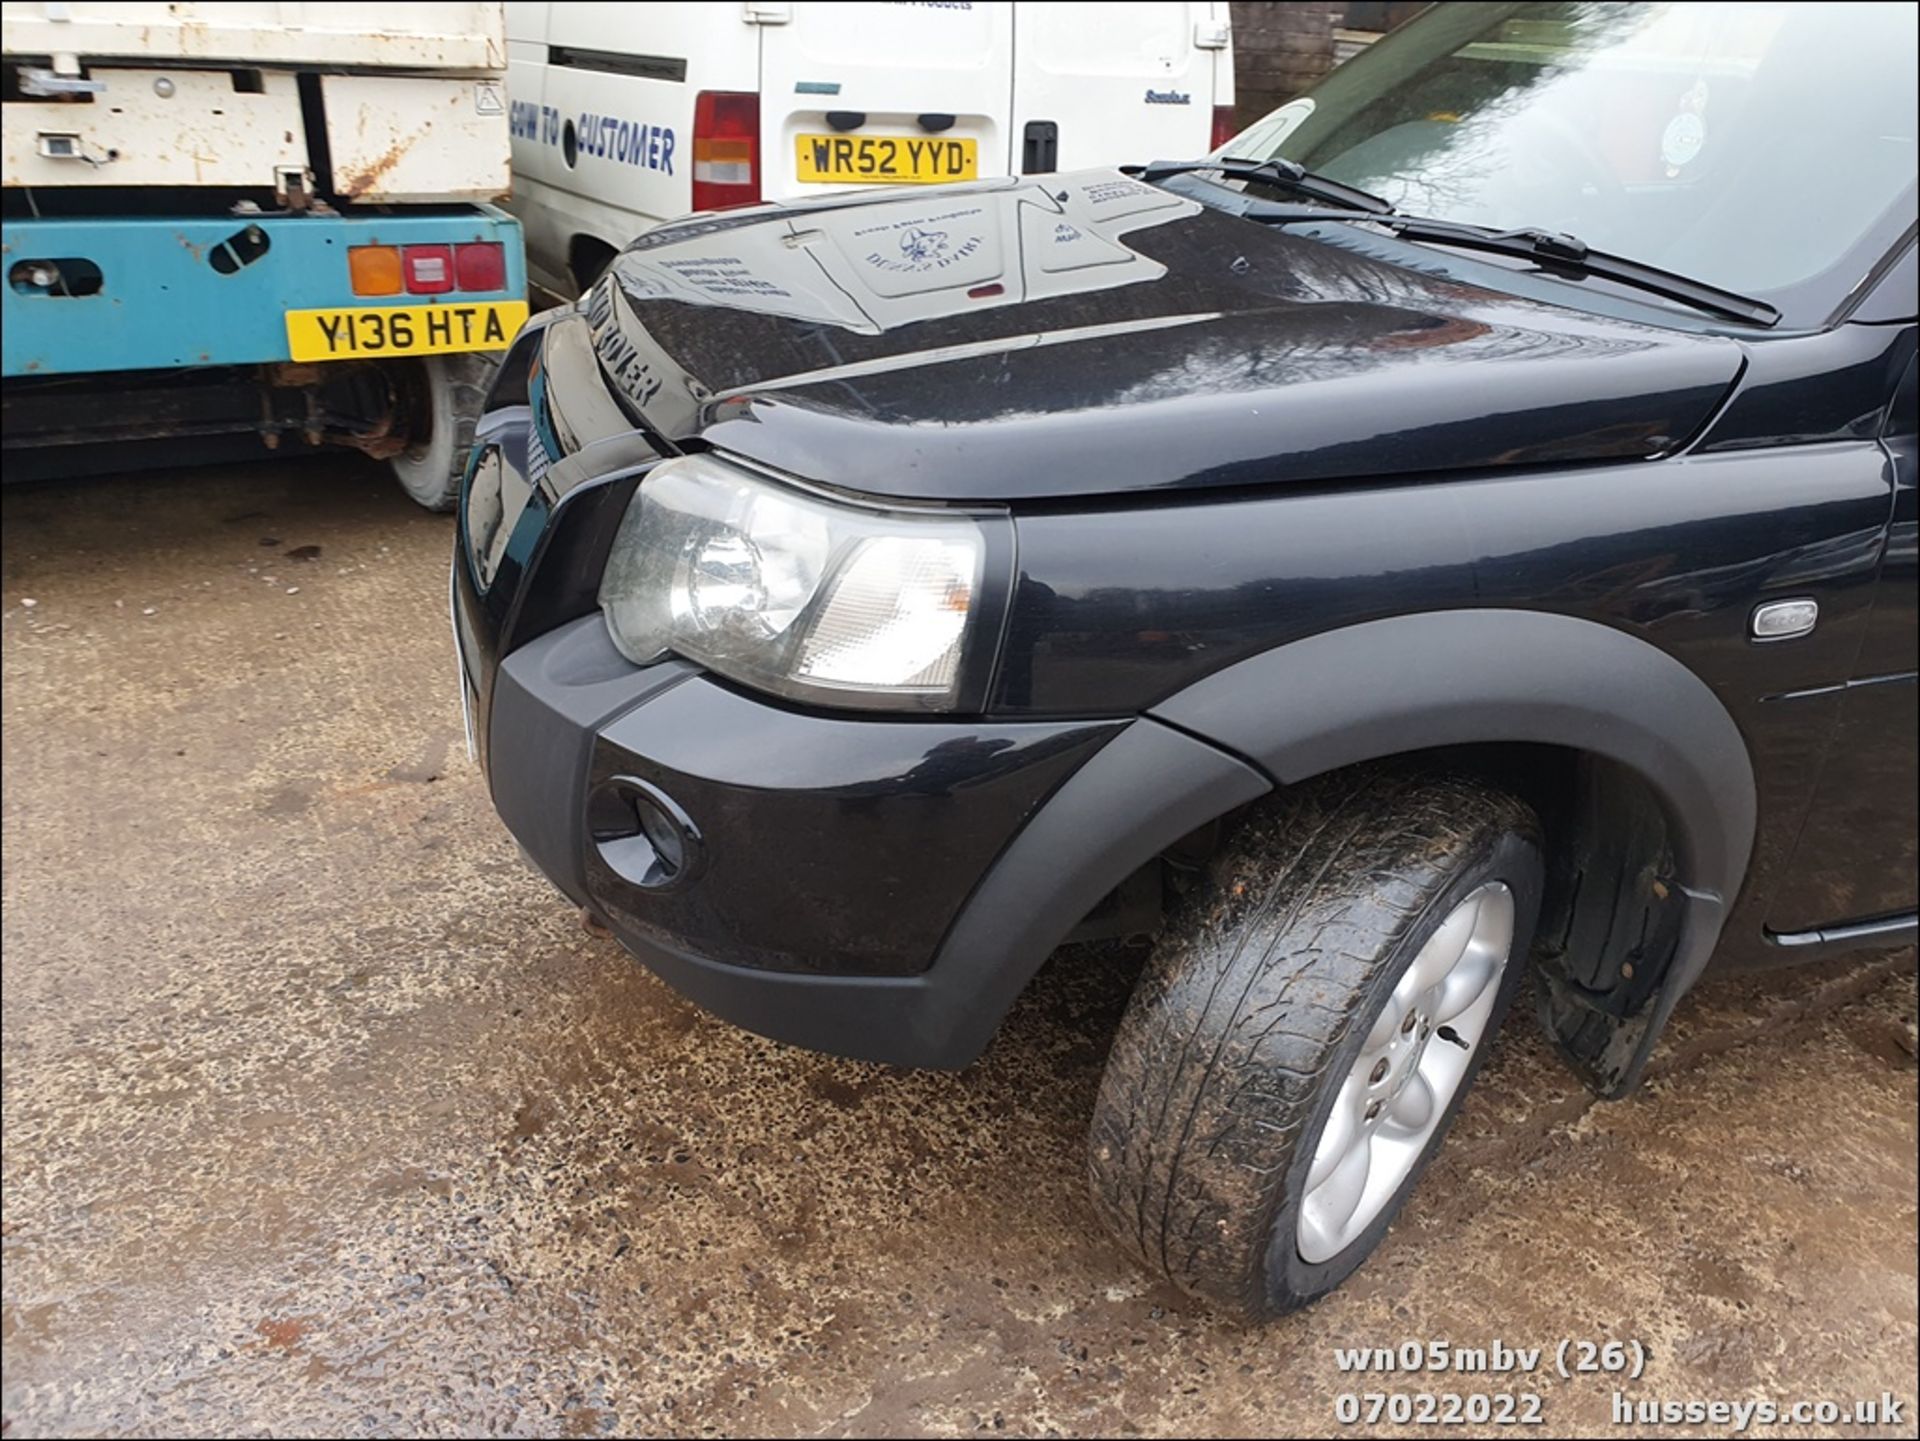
point(855, 94)
point(1113, 84)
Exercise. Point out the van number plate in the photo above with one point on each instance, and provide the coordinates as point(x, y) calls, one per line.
point(376, 330)
point(885, 159)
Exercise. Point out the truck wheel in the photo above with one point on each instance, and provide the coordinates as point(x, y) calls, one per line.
point(445, 394)
point(1306, 1029)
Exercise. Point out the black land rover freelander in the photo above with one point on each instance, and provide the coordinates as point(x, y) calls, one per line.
point(1459, 538)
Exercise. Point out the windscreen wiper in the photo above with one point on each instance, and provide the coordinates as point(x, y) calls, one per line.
point(1553, 252)
point(1279, 173)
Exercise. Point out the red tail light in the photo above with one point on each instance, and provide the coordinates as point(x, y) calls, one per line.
point(480, 265)
point(1223, 127)
point(726, 149)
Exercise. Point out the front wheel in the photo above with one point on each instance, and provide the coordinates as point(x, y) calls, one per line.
point(443, 397)
point(1307, 1029)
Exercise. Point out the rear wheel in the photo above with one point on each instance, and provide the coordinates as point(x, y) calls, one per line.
point(1307, 1029)
point(443, 400)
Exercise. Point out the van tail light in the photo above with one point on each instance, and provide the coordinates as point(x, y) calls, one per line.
point(1223, 126)
point(726, 149)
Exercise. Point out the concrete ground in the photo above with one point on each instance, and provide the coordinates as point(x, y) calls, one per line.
point(323, 1116)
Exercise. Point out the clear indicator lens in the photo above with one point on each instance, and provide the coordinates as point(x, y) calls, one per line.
point(895, 617)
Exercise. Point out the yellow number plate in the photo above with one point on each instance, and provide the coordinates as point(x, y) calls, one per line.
point(376, 330)
point(885, 159)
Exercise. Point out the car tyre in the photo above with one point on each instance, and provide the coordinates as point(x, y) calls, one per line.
point(1292, 1005)
point(449, 393)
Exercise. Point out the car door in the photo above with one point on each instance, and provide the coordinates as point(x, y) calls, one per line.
point(1856, 856)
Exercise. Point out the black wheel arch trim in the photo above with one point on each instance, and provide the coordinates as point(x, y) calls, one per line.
point(1386, 687)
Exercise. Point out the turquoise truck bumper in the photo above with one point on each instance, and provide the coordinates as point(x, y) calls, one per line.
point(154, 293)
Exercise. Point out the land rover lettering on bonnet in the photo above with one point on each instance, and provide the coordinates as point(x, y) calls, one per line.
point(1454, 543)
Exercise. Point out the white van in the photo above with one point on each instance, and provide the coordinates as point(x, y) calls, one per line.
point(627, 115)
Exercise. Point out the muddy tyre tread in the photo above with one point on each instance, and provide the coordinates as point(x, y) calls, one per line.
point(1232, 1032)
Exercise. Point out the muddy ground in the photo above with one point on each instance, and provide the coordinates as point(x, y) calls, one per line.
point(325, 1116)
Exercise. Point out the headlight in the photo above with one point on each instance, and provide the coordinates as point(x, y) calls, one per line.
point(792, 594)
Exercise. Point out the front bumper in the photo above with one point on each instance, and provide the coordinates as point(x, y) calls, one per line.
point(872, 888)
